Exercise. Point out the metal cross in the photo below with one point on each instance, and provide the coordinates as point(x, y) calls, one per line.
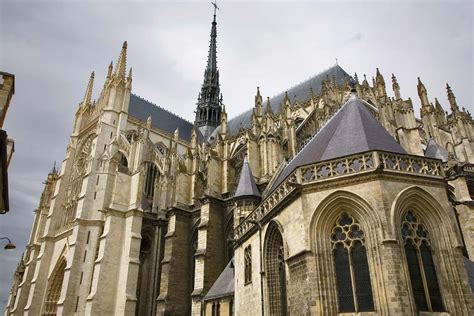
point(215, 6)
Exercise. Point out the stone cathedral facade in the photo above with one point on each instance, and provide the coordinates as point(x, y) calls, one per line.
point(331, 198)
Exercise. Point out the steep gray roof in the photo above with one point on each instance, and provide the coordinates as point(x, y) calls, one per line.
point(470, 271)
point(224, 285)
point(300, 92)
point(353, 129)
point(160, 118)
point(434, 150)
point(246, 186)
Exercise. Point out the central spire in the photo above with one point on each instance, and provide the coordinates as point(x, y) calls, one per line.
point(209, 105)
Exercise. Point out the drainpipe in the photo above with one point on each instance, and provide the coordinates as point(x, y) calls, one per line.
point(262, 273)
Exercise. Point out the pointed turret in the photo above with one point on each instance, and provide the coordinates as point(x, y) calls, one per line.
point(438, 106)
point(380, 84)
point(209, 105)
point(121, 67)
point(109, 70)
point(422, 93)
point(286, 100)
point(268, 107)
point(440, 117)
point(224, 128)
point(247, 188)
point(452, 99)
point(396, 88)
point(88, 95)
point(258, 103)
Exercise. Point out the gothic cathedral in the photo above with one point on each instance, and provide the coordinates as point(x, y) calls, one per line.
point(329, 199)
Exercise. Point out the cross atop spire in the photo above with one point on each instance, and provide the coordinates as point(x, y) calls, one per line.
point(214, 4)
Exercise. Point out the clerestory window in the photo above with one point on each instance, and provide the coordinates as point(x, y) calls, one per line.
point(352, 269)
point(424, 282)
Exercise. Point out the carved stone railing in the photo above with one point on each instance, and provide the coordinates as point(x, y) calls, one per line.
point(412, 164)
point(341, 167)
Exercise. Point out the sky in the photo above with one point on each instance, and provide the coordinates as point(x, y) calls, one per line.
point(53, 46)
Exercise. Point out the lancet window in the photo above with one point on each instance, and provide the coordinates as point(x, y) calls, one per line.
point(54, 290)
point(275, 271)
point(424, 282)
point(354, 288)
point(248, 264)
point(151, 173)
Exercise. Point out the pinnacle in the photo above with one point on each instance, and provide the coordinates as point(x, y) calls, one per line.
point(88, 94)
point(122, 62)
point(109, 71)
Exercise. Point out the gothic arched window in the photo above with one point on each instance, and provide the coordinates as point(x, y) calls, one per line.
point(275, 271)
point(248, 264)
point(424, 282)
point(55, 284)
point(352, 269)
point(151, 173)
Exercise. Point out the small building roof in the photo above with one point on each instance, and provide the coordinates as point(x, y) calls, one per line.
point(224, 285)
point(353, 129)
point(434, 150)
point(246, 187)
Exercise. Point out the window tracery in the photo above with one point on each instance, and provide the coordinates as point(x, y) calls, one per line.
point(352, 270)
point(424, 281)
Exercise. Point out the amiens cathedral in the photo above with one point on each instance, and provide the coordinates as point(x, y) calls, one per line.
point(331, 198)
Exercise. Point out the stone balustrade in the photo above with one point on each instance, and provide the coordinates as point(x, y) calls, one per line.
point(341, 167)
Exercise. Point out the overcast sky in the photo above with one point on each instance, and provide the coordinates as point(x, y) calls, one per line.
point(52, 46)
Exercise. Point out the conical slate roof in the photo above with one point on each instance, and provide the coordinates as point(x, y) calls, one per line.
point(434, 150)
point(353, 129)
point(246, 187)
point(224, 285)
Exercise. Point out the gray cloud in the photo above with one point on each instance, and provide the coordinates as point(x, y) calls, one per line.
point(52, 46)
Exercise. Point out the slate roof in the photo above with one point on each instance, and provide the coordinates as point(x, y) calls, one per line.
point(300, 92)
point(353, 129)
point(160, 118)
point(434, 150)
point(470, 271)
point(246, 186)
point(224, 285)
